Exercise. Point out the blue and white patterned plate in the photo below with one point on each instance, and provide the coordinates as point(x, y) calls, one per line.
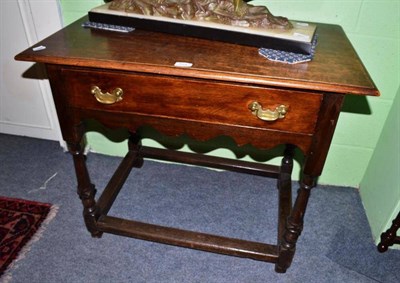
point(288, 57)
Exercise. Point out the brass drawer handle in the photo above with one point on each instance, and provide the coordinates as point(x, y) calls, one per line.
point(107, 98)
point(267, 114)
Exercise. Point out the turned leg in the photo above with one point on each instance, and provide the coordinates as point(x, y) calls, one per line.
point(285, 189)
point(294, 225)
point(86, 189)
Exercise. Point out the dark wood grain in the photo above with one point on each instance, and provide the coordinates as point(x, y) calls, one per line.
point(174, 98)
point(335, 68)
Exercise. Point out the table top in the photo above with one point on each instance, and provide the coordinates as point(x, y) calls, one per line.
point(335, 68)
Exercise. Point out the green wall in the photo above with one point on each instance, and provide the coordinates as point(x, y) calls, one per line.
point(380, 187)
point(373, 28)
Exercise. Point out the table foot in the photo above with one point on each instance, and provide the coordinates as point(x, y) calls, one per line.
point(389, 237)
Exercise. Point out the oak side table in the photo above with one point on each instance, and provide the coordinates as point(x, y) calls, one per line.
point(129, 80)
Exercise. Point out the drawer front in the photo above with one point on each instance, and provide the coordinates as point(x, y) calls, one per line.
point(193, 100)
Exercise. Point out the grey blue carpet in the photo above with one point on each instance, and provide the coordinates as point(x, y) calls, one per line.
point(336, 244)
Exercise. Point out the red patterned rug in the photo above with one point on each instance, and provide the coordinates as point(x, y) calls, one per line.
point(21, 222)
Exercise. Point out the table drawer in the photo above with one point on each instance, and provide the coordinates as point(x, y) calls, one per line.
point(194, 100)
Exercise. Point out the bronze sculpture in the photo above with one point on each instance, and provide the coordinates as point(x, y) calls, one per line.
point(229, 12)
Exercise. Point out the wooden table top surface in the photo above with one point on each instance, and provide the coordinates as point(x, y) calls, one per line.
point(335, 68)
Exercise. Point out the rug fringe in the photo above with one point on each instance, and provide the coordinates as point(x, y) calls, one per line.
point(7, 276)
